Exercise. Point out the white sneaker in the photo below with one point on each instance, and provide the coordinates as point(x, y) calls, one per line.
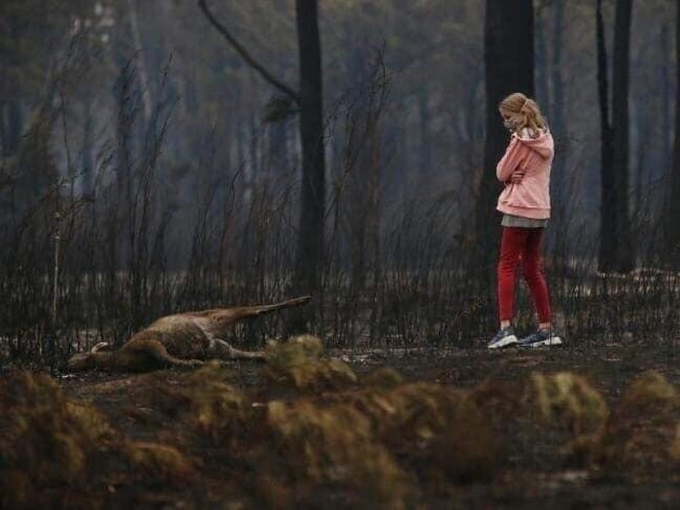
point(504, 338)
point(541, 338)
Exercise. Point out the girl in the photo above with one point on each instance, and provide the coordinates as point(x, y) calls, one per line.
point(525, 204)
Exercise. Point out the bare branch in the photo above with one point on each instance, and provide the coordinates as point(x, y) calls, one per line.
point(243, 53)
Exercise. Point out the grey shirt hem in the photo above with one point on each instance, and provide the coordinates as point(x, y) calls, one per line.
point(510, 220)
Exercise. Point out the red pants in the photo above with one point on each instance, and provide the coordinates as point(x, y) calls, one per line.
point(522, 244)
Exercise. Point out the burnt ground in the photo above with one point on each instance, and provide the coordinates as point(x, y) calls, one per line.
point(534, 472)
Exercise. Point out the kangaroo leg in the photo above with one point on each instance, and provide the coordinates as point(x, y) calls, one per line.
point(222, 350)
point(215, 323)
point(164, 359)
point(184, 363)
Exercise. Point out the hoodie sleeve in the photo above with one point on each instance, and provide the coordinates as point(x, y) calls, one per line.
point(510, 161)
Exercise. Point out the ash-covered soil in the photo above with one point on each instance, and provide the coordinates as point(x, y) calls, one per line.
point(586, 425)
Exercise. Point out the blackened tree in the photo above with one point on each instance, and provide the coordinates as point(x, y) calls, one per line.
point(312, 211)
point(672, 229)
point(509, 65)
point(616, 249)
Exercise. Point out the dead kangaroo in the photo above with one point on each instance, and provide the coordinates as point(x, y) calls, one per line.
point(183, 340)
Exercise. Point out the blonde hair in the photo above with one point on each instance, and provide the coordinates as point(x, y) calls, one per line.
point(525, 113)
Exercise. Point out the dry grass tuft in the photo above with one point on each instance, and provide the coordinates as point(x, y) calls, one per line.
point(298, 365)
point(368, 445)
point(158, 464)
point(649, 393)
point(47, 441)
point(501, 400)
point(56, 452)
point(568, 399)
point(383, 378)
point(382, 444)
point(640, 438)
point(428, 427)
point(316, 449)
point(296, 347)
point(214, 407)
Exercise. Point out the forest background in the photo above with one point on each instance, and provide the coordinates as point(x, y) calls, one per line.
point(148, 167)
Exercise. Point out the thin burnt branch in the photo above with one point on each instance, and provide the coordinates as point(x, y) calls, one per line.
point(243, 53)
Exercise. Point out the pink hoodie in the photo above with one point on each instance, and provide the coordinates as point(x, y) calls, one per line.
point(529, 198)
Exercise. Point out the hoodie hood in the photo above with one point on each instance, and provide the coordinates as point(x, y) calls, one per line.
point(543, 145)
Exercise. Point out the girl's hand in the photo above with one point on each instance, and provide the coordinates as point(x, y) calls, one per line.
point(517, 176)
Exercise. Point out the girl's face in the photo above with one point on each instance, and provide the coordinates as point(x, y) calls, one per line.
point(508, 121)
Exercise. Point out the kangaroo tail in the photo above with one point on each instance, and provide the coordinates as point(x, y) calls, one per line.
point(289, 303)
point(227, 316)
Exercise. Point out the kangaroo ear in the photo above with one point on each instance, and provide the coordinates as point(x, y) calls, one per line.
point(98, 347)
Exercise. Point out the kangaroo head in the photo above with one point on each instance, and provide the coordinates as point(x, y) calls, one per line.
point(82, 361)
point(86, 360)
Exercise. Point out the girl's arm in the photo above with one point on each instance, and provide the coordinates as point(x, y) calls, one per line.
point(510, 161)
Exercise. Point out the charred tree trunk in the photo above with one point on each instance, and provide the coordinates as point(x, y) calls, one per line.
point(541, 61)
point(665, 69)
point(673, 205)
point(616, 249)
point(625, 254)
point(12, 121)
point(607, 211)
point(555, 108)
point(556, 119)
point(509, 64)
point(312, 211)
